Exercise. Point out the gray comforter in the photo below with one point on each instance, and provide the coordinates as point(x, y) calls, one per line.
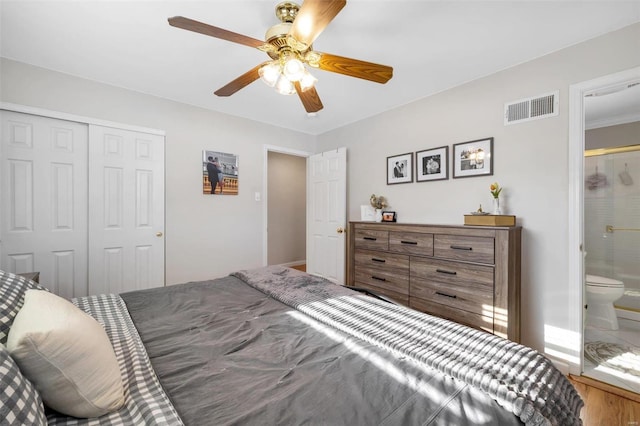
point(227, 353)
point(521, 379)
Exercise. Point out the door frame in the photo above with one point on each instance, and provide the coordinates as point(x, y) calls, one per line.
point(265, 195)
point(575, 247)
point(77, 118)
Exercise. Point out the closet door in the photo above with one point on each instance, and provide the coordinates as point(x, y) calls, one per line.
point(43, 200)
point(126, 210)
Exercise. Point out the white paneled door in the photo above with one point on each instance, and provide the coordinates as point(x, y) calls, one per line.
point(126, 210)
point(82, 204)
point(43, 200)
point(326, 214)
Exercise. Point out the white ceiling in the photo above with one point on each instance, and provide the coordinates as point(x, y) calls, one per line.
point(432, 46)
point(615, 105)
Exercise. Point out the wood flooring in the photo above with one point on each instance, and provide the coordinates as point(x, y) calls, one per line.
point(606, 405)
point(302, 268)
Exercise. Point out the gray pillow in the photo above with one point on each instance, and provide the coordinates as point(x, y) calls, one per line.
point(20, 403)
point(12, 289)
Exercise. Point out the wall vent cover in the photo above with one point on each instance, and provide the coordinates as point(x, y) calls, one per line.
point(533, 108)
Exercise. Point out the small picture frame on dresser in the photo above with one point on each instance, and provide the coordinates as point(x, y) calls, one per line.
point(367, 213)
point(388, 216)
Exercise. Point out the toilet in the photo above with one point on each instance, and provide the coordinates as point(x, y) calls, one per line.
point(601, 293)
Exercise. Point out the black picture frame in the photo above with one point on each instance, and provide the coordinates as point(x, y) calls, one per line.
point(400, 169)
point(473, 158)
point(388, 216)
point(432, 164)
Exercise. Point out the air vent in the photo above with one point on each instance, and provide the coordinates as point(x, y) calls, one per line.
point(533, 108)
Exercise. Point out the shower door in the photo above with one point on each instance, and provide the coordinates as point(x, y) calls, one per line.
point(612, 218)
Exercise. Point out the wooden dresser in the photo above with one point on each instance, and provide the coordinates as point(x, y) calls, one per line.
point(469, 274)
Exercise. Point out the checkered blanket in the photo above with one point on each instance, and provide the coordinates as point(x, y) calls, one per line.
point(145, 401)
point(519, 378)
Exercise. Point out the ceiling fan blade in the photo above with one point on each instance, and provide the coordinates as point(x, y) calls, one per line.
point(240, 82)
point(309, 98)
point(355, 68)
point(210, 30)
point(313, 17)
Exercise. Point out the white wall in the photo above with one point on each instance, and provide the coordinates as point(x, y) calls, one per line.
point(530, 162)
point(206, 236)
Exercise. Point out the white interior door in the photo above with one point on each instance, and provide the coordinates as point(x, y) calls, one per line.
point(126, 210)
point(43, 200)
point(326, 214)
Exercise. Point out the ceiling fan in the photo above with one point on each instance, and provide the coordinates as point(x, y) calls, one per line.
point(289, 45)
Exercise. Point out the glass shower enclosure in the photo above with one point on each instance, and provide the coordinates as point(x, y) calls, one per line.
point(612, 216)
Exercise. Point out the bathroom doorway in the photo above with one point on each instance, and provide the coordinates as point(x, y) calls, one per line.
point(611, 229)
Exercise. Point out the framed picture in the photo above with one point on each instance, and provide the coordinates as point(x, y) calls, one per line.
point(219, 173)
point(473, 158)
point(388, 216)
point(432, 164)
point(367, 213)
point(400, 169)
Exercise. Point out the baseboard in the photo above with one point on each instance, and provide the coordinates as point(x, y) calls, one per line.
point(295, 263)
point(628, 314)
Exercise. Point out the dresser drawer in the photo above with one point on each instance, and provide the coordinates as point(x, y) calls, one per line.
point(473, 320)
point(454, 284)
point(468, 249)
point(371, 239)
point(411, 243)
point(478, 302)
point(382, 278)
point(396, 297)
point(380, 259)
point(464, 275)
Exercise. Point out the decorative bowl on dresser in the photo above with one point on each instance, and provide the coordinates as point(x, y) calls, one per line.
point(468, 274)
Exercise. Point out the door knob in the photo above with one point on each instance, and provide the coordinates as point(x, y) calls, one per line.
point(158, 234)
point(340, 230)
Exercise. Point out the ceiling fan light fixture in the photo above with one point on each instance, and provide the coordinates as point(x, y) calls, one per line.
point(284, 86)
point(270, 73)
point(289, 45)
point(293, 69)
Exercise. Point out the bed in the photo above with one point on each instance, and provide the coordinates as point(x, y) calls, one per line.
point(278, 346)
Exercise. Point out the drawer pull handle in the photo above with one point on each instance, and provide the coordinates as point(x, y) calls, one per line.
point(369, 238)
point(414, 243)
point(378, 260)
point(378, 278)
point(461, 248)
point(444, 271)
point(453, 296)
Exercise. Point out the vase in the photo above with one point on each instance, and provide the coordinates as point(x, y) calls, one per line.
point(496, 206)
point(378, 215)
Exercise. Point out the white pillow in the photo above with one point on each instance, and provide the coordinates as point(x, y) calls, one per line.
point(67, 355)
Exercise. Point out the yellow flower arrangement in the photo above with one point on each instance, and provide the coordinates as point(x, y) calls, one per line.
point(378, 202)
point(495, 189)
